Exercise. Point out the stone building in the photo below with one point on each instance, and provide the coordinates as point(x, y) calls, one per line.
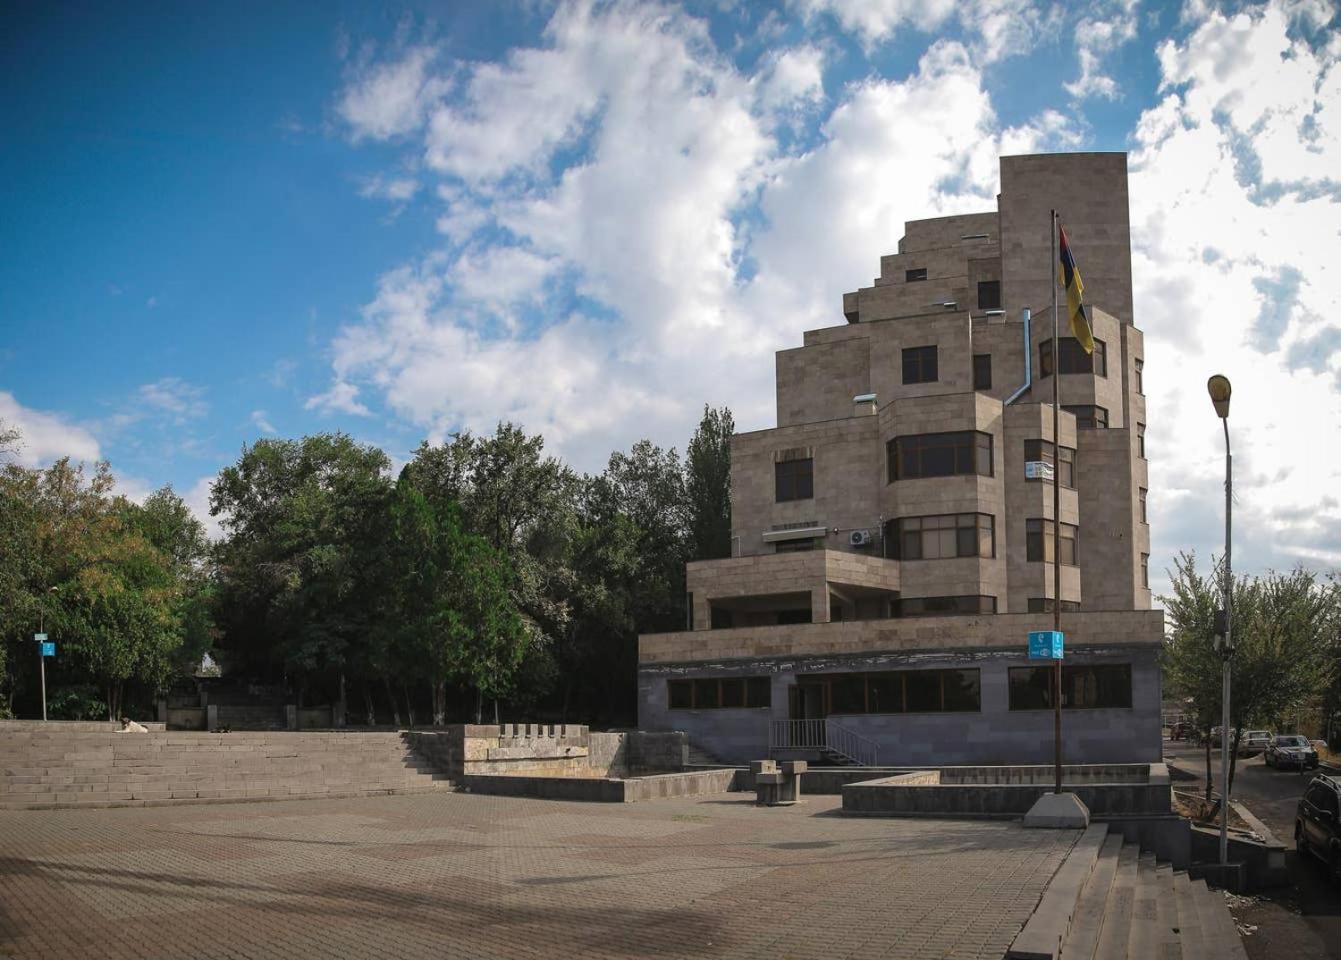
point(892, 535)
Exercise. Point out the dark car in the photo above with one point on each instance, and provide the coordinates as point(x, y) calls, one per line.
point(1315, 826)
point(1290, 750)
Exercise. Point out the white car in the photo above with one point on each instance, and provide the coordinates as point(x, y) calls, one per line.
point(1255, 741)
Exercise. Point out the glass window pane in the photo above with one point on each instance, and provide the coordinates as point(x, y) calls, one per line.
point(924, 690)
point(961, 689)
point(705, 694)
point(733, 692)
point(884, 692)
point(967, 544)
point(847, 695)
point(1030, 688)
point(680, 694)
point(759, 692)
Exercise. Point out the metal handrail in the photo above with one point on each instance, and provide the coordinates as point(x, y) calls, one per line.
point(822, 734)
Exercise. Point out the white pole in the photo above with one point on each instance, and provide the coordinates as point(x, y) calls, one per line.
point(1226, 652)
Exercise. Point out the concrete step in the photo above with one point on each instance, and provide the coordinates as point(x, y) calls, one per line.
point(1116, 930)
point(1217, 925)
point(1190, 937)
point(1083, 938)
point(1141, 940)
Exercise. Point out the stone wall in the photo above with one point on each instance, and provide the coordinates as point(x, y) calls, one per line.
point(537, 750)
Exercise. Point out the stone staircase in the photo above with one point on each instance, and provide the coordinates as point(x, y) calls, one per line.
point(1110, 901)
point(65, 768)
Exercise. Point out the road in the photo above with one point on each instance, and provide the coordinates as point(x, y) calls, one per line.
point(1299, 921)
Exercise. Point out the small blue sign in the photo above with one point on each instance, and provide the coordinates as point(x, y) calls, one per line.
point(1045, 644)
point(48, 649)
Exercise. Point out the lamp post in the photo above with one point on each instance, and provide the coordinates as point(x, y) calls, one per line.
point(1219, 389)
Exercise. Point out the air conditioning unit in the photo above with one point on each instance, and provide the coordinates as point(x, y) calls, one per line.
point(860, 538)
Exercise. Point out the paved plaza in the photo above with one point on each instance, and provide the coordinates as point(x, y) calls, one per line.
point(456, 875)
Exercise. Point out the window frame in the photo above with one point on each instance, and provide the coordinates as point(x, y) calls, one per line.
point(1045, 455)
point(1140, 440)
point(1145, 570)
point(1072, 358)
point(915, 361)
point(915, 275)
point(1142, 493)
point(1044, 605)
point(1088, 420)
point(890, 680)
point(1045, 541)
point(985, 605)
point(790, 472)
point(992, 286)
point(752, 689)
point(937, 524)
point(982, 371)
point(1140, 376)
point(1100, 675)
point(923, 443)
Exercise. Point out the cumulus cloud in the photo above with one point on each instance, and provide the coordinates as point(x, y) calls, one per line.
point(995, 28)
point(392, 98)
point(342, 397)
point(261, 421)
point(1234, 242)
point(1109, 26)
point(46, 437)
point(173, 397)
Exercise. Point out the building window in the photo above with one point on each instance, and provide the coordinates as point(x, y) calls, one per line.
point(1072, 357)
point(919, 274)
point(943, 606)
point(1140, 493)
point(944, 536)
point(720, 618)
point(1145, 569)
point(989, 294)
point(1140, 375)
point(804, 615)
point(1040, 451)
point(919, 364)
point(1083, 687)
point(796, 546)
point(1044, 605)
point(1038, 541)
point(1088, 416)
point(1140, 440)
point(719, 693)
point(940, 455)
point(982, 371)
point(905, 691)
point(795, 479)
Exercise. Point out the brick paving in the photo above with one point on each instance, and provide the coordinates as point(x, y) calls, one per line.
point(458, 875)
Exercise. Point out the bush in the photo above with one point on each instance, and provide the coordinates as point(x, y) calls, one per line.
point(80, 702)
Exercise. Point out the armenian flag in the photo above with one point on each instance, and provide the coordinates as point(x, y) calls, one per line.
point(1075, 289)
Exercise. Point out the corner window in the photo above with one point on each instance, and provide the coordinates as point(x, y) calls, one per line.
point(794, 479)
point(919, 364)
point(1083, 687)
point(939, 455)
point(944, 536)
point(919, 274)
point(1088, 416)
point(982, 371)
point(1072, 357)
point(1041, 451)
point(989, 294)
point(1038, 541)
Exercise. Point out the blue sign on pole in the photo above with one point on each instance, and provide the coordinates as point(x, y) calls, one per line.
point(1045, 644)
point(48, 649)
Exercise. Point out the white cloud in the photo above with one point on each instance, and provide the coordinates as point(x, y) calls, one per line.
point(1234, 243)
point(993, 29)
point(198, 499)
point(1111, 23)
point(262, 422)
point(391, 99)
point(176, 398)
point(46, 436)
point(342, 397)
point(394, 189)
point(792, 78)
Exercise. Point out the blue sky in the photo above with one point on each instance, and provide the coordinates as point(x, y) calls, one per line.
point(401, 220)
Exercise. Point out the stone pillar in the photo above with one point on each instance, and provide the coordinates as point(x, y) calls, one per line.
point(291, 716)
point(212, 717)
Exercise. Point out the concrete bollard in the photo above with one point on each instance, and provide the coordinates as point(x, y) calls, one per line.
point(777, 785)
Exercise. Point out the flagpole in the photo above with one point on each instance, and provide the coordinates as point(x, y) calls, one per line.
point(1056, 513)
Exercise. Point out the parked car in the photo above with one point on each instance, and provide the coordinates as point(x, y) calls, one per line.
point(1316, 829)
point(1291, 750)
point(1254, 741)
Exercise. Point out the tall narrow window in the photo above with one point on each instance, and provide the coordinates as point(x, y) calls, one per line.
point(1140, 440)
point(1141, 492)
point(982, 371)
point(1145, 569)
point(919, 364)
point(795, 479)
point(989, 294)
point(1140, 375)
point(919, 274)
point(1038, 541)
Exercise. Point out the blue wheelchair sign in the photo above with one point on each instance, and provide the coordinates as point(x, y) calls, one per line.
point(48, 649)
point(1045, 644)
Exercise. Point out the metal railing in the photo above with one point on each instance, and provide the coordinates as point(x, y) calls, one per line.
point(824, 735)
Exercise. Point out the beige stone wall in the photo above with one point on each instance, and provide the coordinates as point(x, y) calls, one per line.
point(818, 382)
point(1144, 628)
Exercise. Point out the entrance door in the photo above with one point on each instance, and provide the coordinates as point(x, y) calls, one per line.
point(806, 701)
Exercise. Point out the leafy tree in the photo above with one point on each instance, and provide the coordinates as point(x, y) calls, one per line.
point(708, 485)
point(1283, 627)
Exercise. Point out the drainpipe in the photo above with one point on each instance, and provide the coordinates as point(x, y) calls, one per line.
point(1028, 369)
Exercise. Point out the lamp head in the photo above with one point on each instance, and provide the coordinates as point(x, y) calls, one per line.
point(1218, 387)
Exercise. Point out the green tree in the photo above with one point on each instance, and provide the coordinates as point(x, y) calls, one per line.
point(708, 485)
point(1284, 627)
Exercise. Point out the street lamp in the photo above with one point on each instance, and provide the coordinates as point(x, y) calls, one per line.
point(1219, 389)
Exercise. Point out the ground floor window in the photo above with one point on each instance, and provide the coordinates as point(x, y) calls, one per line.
point(902, 691)
point(1083, 687)
point(719, 692)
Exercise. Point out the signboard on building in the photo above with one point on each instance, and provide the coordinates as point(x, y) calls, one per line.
point(1045, 644)
point(1037, 470)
